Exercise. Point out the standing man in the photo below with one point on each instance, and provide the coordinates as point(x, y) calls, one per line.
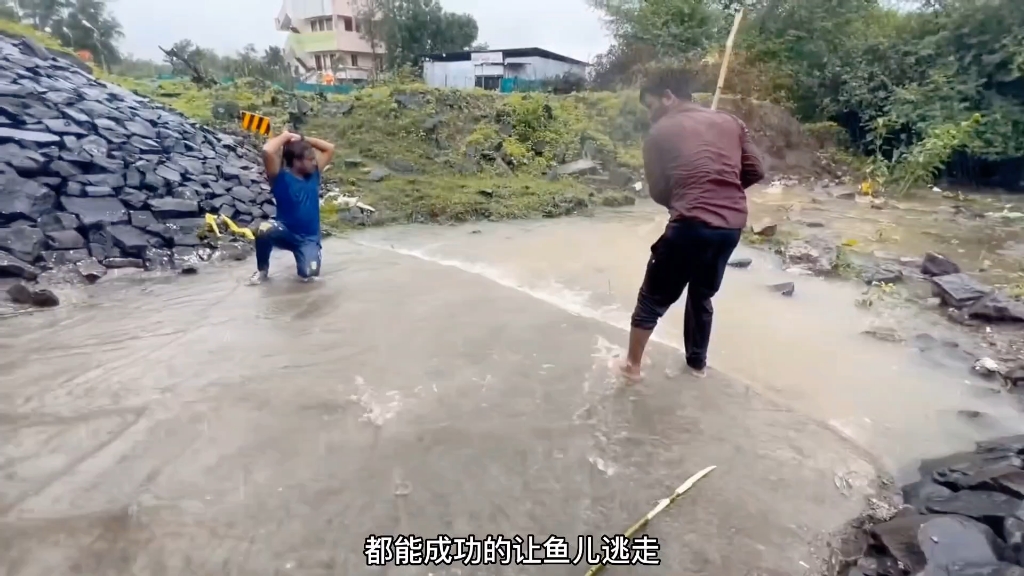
point(293, 166)
point(698, 164)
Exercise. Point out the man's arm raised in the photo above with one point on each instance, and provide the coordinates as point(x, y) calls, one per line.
point(272, 152)
point(324, 151)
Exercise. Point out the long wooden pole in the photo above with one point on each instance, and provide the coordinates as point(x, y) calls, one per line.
point(725, 59)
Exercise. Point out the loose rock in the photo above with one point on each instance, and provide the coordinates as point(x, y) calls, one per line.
point(740, 262)
point(785, 288)
point(77, 154)
point(966, 518)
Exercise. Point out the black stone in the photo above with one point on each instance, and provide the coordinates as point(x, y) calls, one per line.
point(989, 508)
point(109, 180)
point(98, 191)
point(64, 169)
point(21, 294)
point(899, 537)
point(142, 218)
point(123, 263)
point(935, 264)
point(169, 174)
point(151, 181)
point(58, 221)
point(96, 211)
point(91, 270)
point(946, 540)
point(75, 189)
point(165, 208)
point(242, 194)
point(12, 267)
point(959, 290)
point(24, 161)
point(22, 199)
point(133, 178)
point(28, 136)
point(133, 199)
point(141, 129)
point(57, 258)
point(49, 181)
point(182, 193)
point(7, 89)
point(96, 110)
point(60, 126)
point(131, 240)
point(978, 474)
point(915, 493)
point(22, 242)
point(65, 240)
point(145, 145)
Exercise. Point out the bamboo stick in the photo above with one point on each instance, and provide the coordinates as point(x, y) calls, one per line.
point(662, 504)
point(725, 59)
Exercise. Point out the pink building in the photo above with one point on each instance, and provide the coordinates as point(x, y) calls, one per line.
point(327, 36)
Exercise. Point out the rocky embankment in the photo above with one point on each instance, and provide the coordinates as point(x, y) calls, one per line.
point(93, 177)
point(963, 517)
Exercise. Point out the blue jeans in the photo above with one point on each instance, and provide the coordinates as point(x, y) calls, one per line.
point(273, 234)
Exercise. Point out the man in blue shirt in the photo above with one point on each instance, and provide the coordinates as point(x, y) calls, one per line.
point(293, 166)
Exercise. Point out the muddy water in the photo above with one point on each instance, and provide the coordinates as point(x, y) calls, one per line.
point(457, 381)
point(983, 232)
point(194, 425)
point(808, 350)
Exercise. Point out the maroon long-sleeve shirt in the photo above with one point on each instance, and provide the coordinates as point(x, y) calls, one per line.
point(699, 163)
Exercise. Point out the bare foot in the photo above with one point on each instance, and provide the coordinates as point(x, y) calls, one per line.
point(630, 372)
point(697, 373)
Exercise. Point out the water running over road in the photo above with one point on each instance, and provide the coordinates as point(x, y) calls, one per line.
point(444, 381)
point(807, 350)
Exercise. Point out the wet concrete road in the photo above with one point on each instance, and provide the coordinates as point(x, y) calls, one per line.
point(199, 426)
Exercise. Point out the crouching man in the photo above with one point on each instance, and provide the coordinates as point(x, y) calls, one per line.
point(293, 166)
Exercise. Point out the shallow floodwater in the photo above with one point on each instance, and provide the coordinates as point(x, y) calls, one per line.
point(808, 350)
point(456, 381)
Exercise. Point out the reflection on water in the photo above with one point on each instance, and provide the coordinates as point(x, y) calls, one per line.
point(808, 350)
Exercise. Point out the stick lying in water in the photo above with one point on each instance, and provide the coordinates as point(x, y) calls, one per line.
point(662, 504)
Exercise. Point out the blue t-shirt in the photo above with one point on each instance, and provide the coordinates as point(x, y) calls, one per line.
point(298, 203)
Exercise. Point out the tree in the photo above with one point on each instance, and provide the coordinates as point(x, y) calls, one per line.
point(8, 11)
point(408, 29)
point(77, 24)
point(370, 19)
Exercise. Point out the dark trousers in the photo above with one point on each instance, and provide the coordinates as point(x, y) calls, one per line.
point(689, 253)
point(273, 234)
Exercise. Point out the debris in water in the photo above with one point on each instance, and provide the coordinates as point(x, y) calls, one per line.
point(785, 288)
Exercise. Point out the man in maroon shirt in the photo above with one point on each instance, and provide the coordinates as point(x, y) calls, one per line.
point(698, 164)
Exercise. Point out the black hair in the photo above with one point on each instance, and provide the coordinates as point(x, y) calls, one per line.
point(675, 80)
point(294, 151)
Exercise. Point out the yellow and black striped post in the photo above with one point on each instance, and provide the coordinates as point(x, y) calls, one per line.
point(256, 123)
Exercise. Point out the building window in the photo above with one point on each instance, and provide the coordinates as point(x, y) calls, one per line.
point(321, 24)
point(319, 60)
point(347, 21)
point(359, 26)
point(355, 59)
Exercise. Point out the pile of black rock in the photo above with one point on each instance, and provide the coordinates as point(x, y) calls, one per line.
point(964, 517)
point(95, 177)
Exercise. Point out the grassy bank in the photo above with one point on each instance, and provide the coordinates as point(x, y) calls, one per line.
point(420, 154)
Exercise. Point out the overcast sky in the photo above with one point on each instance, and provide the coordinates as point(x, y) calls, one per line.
point(568, 27)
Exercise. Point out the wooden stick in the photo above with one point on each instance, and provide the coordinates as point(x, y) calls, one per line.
point(662, 504)
point(725, 59)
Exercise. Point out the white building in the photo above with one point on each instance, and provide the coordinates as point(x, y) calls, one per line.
point(486, 69)
point(326, 36)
